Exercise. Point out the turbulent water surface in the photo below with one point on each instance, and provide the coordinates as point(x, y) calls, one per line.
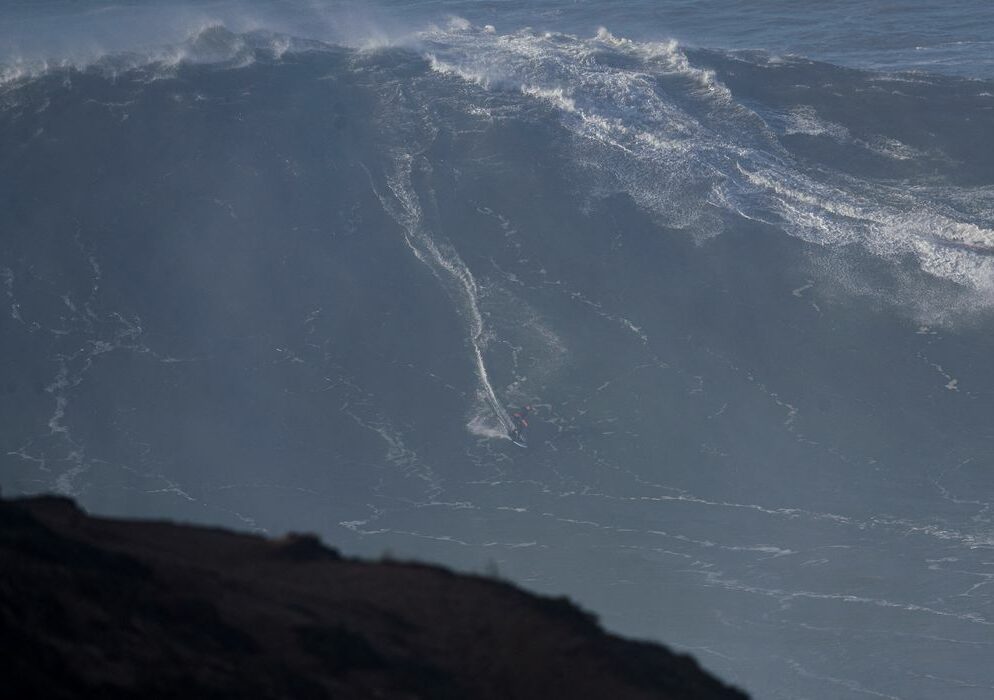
point(287, 266)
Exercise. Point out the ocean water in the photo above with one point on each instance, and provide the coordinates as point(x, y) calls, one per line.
point(291, 266)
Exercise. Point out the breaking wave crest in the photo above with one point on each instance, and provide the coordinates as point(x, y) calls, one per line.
point(207, 43)
point(671, 135)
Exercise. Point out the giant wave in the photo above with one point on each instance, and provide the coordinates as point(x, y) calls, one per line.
point(277, 280)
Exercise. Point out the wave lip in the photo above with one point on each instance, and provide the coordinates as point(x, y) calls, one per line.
point(210, 43)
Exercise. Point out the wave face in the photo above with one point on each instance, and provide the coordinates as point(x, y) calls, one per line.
point(272, 275)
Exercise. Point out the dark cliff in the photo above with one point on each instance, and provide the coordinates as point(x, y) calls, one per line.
point(91, 607)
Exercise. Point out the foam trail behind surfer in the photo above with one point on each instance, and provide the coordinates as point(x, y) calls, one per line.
point(445, 263)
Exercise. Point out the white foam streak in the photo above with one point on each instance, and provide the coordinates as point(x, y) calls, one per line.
point(449, 268)
point(805, 120)
point(945, 248)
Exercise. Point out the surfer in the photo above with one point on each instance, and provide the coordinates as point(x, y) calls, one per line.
point(520, 418)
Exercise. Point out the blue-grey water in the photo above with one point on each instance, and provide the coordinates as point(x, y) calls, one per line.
point(288, 266)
